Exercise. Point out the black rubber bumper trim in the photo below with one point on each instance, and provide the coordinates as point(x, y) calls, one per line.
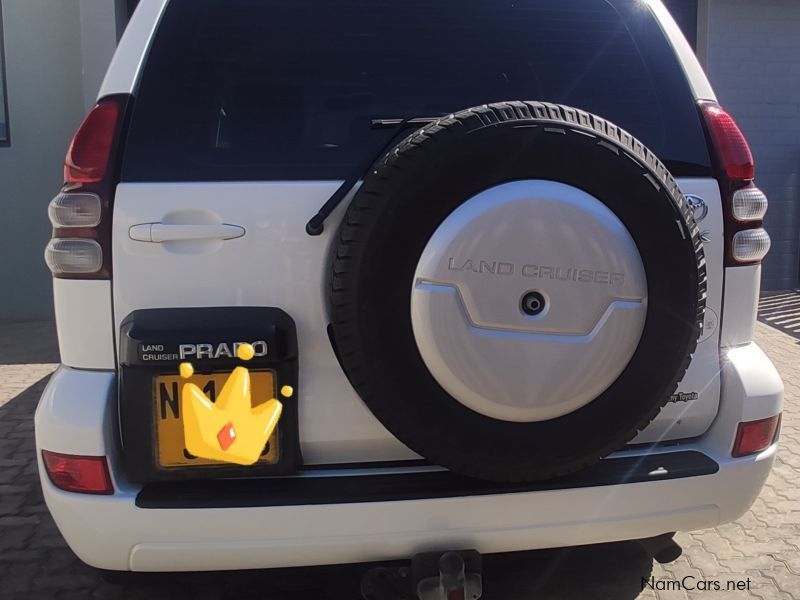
point(298, 491)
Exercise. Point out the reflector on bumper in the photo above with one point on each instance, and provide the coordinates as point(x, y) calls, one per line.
point(82, 474)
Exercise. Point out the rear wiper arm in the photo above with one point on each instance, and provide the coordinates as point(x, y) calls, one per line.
point(316, 225)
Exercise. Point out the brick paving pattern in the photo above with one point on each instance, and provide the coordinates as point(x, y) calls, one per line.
point(762, 547)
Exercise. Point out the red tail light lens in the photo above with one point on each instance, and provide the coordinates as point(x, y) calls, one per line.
point(753, 437)
point(90, 151)
point(82, 474)
point(734, 152)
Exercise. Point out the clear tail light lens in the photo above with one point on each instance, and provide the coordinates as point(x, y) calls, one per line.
point(75, 209)
point(67, 256)
point(750, 245)
point(749, 204)
point(83, 474)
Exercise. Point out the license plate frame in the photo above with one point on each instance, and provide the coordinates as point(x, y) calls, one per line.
point(151, 343)
point(170, 450)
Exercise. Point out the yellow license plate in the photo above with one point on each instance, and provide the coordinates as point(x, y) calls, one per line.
point(170, 447)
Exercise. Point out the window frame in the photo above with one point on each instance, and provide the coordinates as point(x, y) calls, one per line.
point(6, 140)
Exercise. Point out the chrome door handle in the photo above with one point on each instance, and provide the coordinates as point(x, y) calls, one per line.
point(165, 232)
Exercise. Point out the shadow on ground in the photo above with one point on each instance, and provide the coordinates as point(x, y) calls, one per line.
point(28, 342)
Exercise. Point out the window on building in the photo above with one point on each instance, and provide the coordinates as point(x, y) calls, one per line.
point(4, 133)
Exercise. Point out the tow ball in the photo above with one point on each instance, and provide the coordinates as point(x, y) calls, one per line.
point(453, 575)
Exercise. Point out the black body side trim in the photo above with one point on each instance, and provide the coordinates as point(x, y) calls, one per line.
point(297, 491)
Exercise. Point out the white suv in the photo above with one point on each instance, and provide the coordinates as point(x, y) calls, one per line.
point(499, 321)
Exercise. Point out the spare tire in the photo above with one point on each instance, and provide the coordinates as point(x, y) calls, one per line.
point(516, 290)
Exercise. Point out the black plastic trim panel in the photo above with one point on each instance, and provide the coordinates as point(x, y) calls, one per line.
point(298, 491)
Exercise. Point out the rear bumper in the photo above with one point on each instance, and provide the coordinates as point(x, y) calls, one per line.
point(113, 533)
point(116, 532)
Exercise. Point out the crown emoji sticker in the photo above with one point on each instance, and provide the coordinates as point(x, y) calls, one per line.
point(230, 429)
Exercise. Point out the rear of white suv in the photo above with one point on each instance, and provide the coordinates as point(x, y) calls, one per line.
point(190, 219)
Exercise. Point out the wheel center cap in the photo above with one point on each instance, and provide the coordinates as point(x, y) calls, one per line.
point(529, 301)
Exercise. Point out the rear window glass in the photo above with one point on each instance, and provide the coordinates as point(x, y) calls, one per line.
point(287, 89)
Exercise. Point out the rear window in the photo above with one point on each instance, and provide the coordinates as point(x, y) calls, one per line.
point(287, 89)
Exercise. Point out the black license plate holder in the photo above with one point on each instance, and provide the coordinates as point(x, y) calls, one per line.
point(154, 342)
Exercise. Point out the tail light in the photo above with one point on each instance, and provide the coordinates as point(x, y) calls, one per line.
point(744, 204)
point(83, 474)
point(750, 245)
point(66, 256)
point(90, 151)
point(753, 437)
point(80, 247)
point(749, 204)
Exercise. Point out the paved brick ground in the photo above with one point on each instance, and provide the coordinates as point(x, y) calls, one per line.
point(762, 547)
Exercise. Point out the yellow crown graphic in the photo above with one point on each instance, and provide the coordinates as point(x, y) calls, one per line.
point(230, 429)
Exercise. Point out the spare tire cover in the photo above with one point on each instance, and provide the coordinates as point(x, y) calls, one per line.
point(517, 289)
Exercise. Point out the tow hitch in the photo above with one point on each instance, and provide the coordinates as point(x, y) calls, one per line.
point(454, 575)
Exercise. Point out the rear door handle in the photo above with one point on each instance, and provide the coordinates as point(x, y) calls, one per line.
point(164, 232)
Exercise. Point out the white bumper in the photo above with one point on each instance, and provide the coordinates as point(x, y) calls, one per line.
point(75, 416)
